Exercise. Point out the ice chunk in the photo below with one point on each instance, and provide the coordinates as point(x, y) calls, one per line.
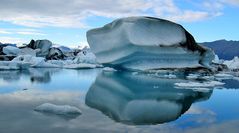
point(13, 65)
point(216, 59)
point(27, 51)
point(55, 54)
point(80, 66)
point(85, 57)
point(170, 76)
point(34, 61)
point(58, 109)
point(42, 45)
point(193, 76)
point(109, 69)
point(223, 76)
point(142, 43)
point(232, 64)
point(10, 50)
point(200, 84)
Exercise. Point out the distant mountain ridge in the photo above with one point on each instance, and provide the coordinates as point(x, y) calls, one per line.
point(223, 48)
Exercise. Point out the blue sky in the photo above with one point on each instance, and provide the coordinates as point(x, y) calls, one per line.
point(65, 22)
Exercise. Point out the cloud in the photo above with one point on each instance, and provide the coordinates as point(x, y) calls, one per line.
point(3, 31)
point(14, 40)
point(74, 13)
point(231, 2)
point(33, 32)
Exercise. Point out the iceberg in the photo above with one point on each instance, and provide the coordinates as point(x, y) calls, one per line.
point(58, 109)
point(232, 64)
point(43, 47)
point(13, 65)
point(27, 51)
point(10, 50)
point(33, 61)
point(144, 43)
point(55, 54)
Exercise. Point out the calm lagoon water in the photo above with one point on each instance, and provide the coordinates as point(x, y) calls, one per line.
point(114, 102)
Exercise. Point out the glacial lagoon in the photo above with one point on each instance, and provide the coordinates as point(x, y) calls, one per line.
point(115, 102)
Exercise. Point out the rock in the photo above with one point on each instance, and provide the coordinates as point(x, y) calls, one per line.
point(143, 43)
point(55, 54)
point(1, 48)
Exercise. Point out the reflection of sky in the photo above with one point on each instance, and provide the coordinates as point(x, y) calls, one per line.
point(71, 79)
point(63, 80)
point(218, 114)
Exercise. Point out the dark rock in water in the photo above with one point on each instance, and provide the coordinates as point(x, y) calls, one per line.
point(55, 54)
point(144, 43)
point(43, 46)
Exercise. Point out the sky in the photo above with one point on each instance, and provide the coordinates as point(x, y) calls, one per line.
point(66, 22)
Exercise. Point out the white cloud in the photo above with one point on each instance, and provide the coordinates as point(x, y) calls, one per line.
point(14, 40)
point(29, 33)
point(22, 32)
point(3, 31)
point(232, 2)
point(65, 13)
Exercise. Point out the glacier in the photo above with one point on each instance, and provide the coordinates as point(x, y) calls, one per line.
point(144, 43)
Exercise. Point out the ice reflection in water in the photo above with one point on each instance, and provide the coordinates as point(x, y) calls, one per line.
point(141, 99)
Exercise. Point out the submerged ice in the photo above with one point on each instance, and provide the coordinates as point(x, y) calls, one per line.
point(58, 109)
point(142, 43)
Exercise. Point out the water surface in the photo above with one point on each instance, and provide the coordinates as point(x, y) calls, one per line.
point(114, 102)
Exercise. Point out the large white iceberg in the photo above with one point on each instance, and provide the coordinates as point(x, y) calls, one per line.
point(144, 43)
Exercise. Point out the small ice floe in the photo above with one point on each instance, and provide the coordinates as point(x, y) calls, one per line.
point(109, 69)
point(58, 109)
point(197, 89)
point(207, 77)
point(135, 73)
point(223, 76)
point(192, 76)
point(200, 84)
point(80, 66)
point(170, 76)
